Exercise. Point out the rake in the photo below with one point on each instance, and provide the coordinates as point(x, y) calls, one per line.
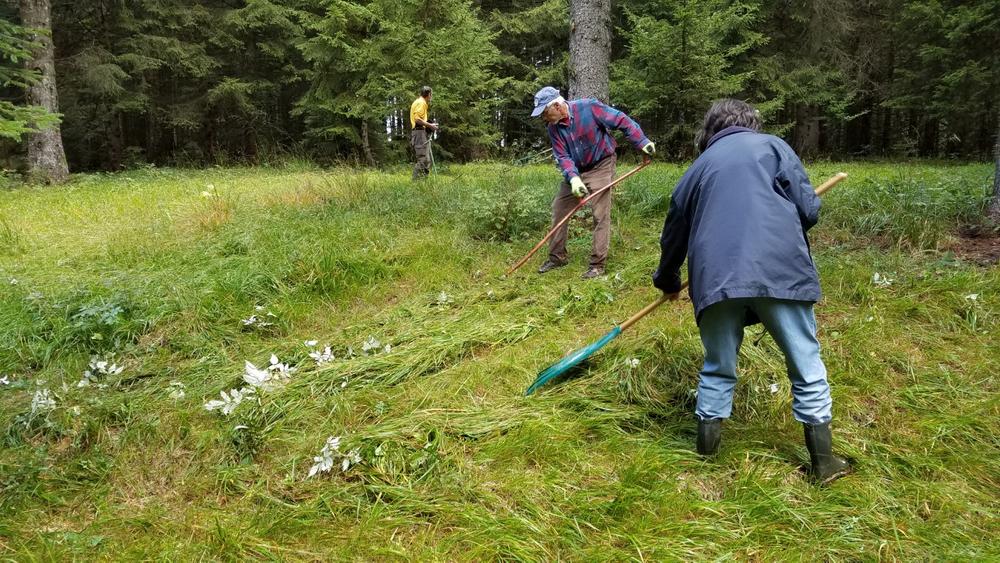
point(576, 357)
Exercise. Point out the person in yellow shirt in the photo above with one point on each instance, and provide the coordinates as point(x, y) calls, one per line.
point(418, 137)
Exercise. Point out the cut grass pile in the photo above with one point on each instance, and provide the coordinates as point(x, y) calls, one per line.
point(179, 277)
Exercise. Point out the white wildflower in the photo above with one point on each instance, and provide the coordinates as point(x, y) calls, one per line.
point(98, 369)
point(311, 343)
point(388, 348)
point(255, 321)
point(353, 457)
point(274, 376)
point(280, 372)
point(774, 388)
point(972, 296)
point(42, 401)
point(5, 380)
point(255, 376)
point(323, 463)
point(176, 390)
point(371, 344)
point(633, 362)
point(343, 383)
point(230, 400)
point(101, 367)
point(880, 280)
point(13, 281)
point(443, 298)
point(322, 357)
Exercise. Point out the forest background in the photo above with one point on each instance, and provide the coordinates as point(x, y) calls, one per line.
point(183, 82)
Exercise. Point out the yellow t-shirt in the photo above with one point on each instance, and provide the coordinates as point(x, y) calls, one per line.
point(418, 110)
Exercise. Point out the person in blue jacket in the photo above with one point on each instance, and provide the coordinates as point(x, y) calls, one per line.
point(740, 215)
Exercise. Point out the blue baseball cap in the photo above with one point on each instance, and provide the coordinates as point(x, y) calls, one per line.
point(544, 97)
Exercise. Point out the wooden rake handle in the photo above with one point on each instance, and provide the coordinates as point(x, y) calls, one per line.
point(646, 161)
point(822, 189)
point(649, 308)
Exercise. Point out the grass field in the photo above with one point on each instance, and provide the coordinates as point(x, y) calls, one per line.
point(176, 278)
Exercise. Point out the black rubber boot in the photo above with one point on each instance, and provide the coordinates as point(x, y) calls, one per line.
point(709, 436)
point(824, 466)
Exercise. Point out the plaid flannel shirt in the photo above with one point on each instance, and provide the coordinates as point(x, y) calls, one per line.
point(585, 139)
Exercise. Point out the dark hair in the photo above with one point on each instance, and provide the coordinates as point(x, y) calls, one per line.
point(425, 91)
point(726, 113)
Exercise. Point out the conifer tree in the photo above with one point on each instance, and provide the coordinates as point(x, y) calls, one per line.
point(368, 60)
point(46, 157)
point(17, 119)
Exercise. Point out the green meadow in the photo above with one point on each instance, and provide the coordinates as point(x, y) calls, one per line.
point(177, 278)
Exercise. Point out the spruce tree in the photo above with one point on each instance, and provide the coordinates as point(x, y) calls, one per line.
point(17, 119)
point(368, 60)
point(46, 157)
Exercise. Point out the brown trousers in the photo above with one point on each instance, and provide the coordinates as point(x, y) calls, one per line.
point(595, 179)
point(418, 139)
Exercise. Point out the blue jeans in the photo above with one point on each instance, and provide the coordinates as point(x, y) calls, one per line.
point(792, 324)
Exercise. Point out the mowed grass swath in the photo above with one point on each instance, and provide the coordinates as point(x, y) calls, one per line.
point(131, 300)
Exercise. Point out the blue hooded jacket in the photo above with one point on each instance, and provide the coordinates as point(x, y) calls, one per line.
point(740, 215)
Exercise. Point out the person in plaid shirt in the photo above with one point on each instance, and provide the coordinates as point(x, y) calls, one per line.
point(585, 153)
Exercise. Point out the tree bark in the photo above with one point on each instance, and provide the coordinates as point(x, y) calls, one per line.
point(806, 134)
point(46, 157)
point(994, 210)
point(589, 49)
point(366, 144)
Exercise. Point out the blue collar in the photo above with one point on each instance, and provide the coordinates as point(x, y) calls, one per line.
point(727, 132)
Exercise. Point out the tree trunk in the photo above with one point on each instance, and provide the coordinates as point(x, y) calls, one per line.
point(46, 157)
point(366, 144)
point(806, 133)
point(589, 49)
point(994, 210)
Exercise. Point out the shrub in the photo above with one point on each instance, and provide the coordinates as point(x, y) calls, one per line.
point(503, 213)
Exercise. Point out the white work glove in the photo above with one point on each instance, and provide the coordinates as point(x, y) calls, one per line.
point(577, 186)
point(649, 149)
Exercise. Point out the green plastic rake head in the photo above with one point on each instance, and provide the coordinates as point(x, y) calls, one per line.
point(574, 359)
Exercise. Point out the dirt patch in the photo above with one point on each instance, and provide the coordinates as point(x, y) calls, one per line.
point(978, 245)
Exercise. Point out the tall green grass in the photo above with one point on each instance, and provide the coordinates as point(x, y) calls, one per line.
point(146, 270)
